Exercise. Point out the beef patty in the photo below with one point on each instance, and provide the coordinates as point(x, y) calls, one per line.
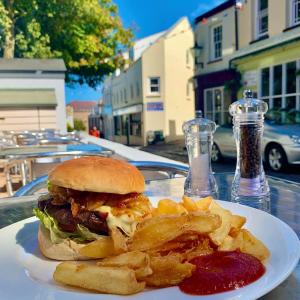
point(93, 220)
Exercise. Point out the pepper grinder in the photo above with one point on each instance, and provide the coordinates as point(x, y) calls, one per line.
point(200, 181)
point(249, 185)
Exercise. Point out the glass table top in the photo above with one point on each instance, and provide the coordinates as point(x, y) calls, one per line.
point(285, 204)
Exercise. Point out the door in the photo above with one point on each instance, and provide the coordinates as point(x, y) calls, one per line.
point(214, 104)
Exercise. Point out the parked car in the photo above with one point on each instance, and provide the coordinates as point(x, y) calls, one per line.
point(281, 144)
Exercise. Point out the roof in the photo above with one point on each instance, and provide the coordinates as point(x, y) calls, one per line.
point(82, 105)
point(20, 98)
point(216, 10)
point(32, 64)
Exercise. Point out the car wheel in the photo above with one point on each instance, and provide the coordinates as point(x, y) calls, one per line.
point(216, 155)
point(276, 158)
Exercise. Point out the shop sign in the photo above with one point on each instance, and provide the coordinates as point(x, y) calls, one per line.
point(155, 106)
point(250, 78)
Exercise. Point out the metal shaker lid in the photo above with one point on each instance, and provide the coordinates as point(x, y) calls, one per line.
point(248, 105)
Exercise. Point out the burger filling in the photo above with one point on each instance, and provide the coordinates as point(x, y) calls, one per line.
point(85, 216)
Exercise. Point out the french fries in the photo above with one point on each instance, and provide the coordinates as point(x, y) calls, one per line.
point(156, 231)
point(135, 260)
point(220, 233)
point(159, 252)
point(168, 271)
point(100, 248)
point(247, 243)
point(109, 280)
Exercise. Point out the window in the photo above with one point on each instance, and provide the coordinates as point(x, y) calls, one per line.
point(125, 96)
point(137, 89)
point(117, 127)
point(131, 92)
point(295, 12)
point(136, 124)
point(214, 105)
point(216, 39)
point(262, 21)
point(280, 88)
point(154, 85)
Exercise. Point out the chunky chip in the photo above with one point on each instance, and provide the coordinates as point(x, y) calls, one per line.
point(135, 260)
point(110, 280)
point(168, 271)
point(161, 229)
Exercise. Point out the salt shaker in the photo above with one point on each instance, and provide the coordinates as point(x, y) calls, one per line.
point(249, 185)
point(200, 181)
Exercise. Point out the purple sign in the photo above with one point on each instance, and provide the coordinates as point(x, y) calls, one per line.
point(155, 106)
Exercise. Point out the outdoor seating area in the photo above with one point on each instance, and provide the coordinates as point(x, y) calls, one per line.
point(27, 155)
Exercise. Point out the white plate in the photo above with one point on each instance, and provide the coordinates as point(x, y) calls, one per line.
point(25, 274)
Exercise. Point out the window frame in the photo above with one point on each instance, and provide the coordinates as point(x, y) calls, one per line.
point(155, 85)
point(213, 43)
point(292, 19)
point(213, 112)
point(258, 16)
point(284, 95)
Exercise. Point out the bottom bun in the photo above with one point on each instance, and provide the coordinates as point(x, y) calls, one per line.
point(66, 250)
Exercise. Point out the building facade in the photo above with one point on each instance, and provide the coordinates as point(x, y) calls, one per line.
point(269, 57)
point(253, 44)
point(32, 94)
point(154, 96)
point(215, 42)
point(82, 110)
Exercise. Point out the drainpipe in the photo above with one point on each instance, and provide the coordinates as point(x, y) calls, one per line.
point(236, 28)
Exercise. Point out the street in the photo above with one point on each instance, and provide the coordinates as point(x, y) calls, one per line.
point(175, 150)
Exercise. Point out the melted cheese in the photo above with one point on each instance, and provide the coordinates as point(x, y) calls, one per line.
point(126, 222)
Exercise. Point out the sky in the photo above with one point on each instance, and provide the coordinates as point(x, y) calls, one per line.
point(147, 17)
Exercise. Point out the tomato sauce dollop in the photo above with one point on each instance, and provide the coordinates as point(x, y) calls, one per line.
point(222, 271)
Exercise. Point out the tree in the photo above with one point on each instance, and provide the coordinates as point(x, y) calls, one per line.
point(87, 34)
point(79, 125)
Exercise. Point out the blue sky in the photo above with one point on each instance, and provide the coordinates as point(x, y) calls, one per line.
point(147, 17)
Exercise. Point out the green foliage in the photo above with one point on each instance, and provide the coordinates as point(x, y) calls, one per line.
point(235, 84)
point(69, 127)
point(87, 34)
point(79, 125)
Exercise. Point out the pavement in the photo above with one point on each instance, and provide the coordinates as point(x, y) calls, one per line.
point(175, 150)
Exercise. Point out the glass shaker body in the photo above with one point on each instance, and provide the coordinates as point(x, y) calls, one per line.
point(200, 181)
point(249, 186)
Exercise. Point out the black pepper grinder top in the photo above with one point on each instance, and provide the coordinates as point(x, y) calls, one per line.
point(249, 185)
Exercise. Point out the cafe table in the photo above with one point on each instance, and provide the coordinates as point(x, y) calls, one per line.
point(285, 204)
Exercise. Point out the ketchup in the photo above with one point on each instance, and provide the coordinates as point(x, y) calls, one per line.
point(222, 271)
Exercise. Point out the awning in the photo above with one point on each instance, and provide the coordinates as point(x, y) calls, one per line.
point(128, 110)
point(21, 98)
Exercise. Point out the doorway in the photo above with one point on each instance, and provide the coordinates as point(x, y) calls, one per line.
point(214, 104)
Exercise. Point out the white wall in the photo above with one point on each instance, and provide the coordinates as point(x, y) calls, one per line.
point(40, 83)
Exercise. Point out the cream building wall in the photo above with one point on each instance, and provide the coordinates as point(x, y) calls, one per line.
point(169, 58)
point(179, 67)
point(153, 61)
point(279, 19)
point(203, 36)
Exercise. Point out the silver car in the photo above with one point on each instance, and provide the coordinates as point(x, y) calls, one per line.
point(281, 144)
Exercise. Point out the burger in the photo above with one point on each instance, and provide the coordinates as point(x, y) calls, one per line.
point(88, 198)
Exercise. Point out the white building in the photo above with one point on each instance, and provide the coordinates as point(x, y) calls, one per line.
point(32, 94)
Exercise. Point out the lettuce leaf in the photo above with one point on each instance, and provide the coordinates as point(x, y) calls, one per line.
point(81, 235)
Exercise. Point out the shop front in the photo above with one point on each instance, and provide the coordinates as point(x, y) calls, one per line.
point(128, 125)
point(274, 74)
point(212, 95)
